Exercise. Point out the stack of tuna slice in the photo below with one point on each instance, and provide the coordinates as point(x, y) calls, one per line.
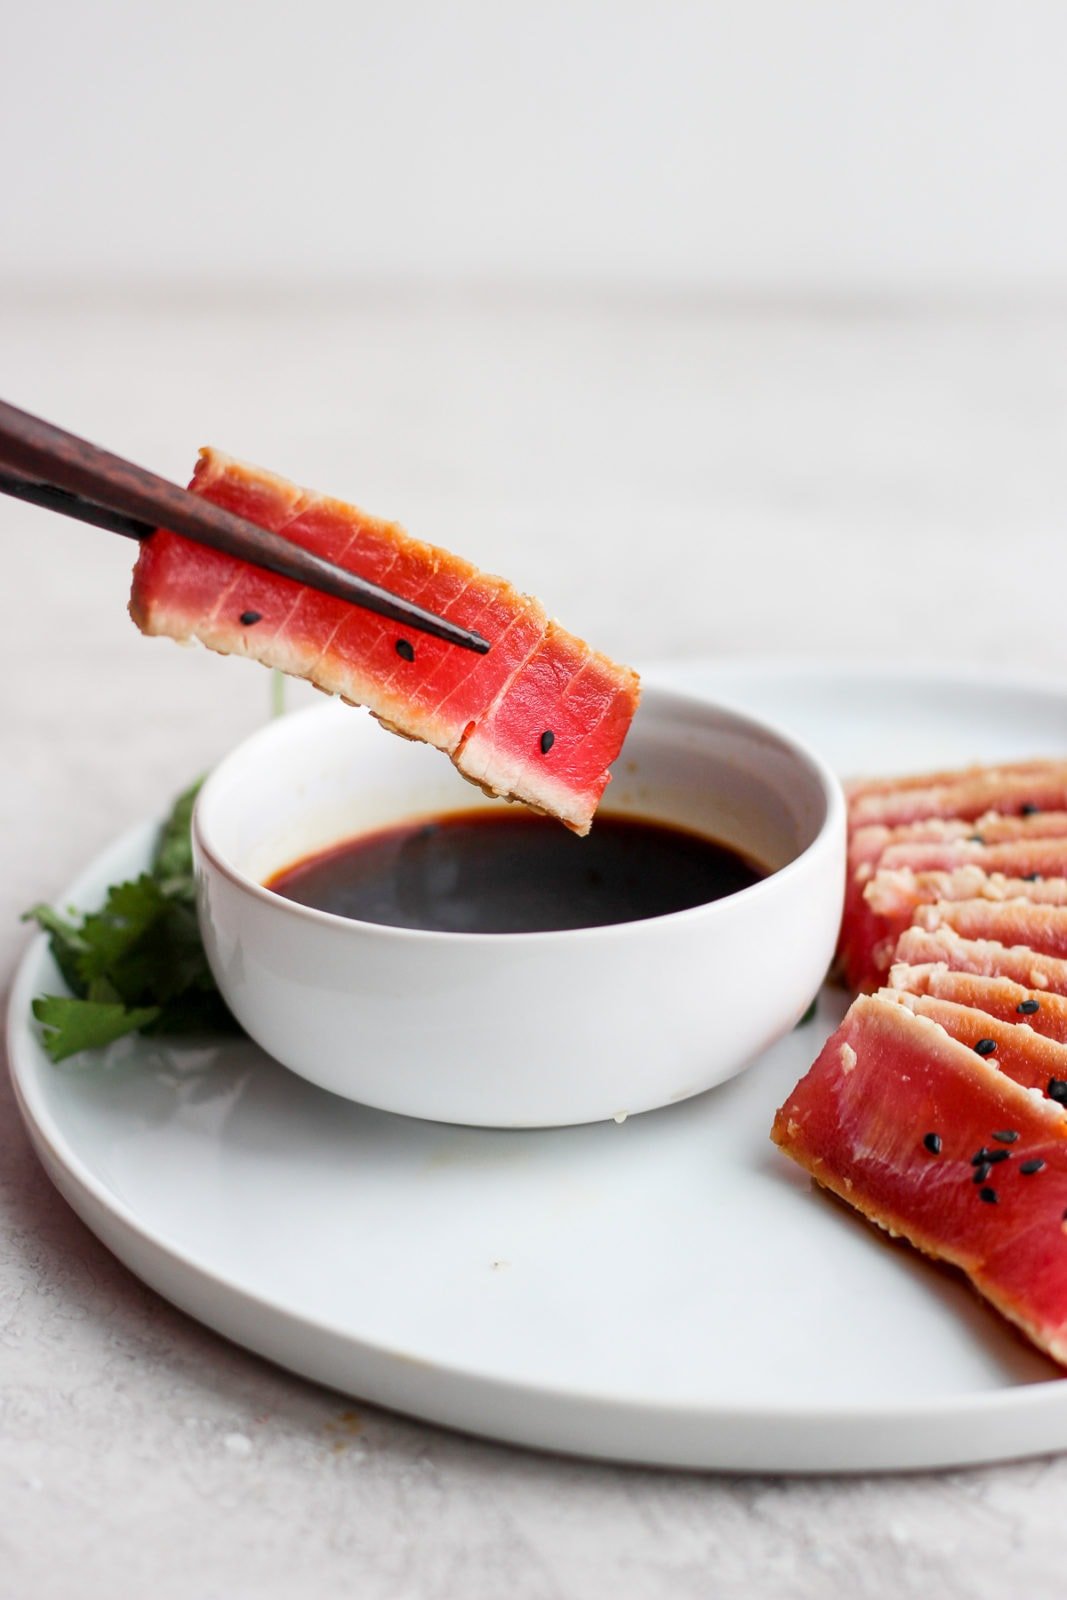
point(939, 1107)
point(540, 718)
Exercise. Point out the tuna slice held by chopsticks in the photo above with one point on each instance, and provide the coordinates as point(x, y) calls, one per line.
point(538, 719)
point(927, 1139)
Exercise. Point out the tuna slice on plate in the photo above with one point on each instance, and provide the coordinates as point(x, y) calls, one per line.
point(984, 957)
point(1041, 1010)
point(858, 788)
point(1014, 858)
point(539, 719)
point(926, 847)
point(899, 892)
point(867, 844)
point(1010, 922)
point(1031, 1058)
point(900, 1120)
point(1015, 791)
point(954, 843)
point(893, 897)
point(860, 929)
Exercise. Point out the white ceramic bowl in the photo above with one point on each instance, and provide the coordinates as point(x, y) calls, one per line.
point(529, 1029)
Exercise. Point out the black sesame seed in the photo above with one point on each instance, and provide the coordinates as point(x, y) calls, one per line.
point(1033, 1165)
point(1029, 810)
point(1006, 1135)
point(405, 650)
point(932, 1142)
point(1032, 877)
point(986, 1047)
point(988, 1195)
point(1027, 1007)
point(548, 739)
point(249, 617)
point(982, 1173)
point(1057, 1090)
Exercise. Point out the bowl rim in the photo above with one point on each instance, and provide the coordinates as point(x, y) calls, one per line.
point(833, 822)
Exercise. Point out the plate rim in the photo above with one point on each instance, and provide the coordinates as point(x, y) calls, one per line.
point(1047, 1396)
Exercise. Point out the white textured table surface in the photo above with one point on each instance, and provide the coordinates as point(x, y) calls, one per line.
point(672, 479)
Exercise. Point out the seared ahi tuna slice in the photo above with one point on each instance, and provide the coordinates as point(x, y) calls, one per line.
point(893, 898)
point(898, 893)
point(1044, 788)
point(856, 788)
point(1016, 858)
point(897, 1118)
point(993, 828)
point(1011, 922)
point(499, 716)
point(1039, 1009)
point(860, 927)
point(1027, 859)
point(917, 848)
point(1031, 1058)
point(916, 946)
point(545, 734)
point(867, 845)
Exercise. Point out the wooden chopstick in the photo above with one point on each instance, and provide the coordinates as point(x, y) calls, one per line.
point(70, 505)
point(49, 467)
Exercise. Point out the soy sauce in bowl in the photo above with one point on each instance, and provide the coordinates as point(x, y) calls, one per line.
point(505, 1030)
point(483, 871)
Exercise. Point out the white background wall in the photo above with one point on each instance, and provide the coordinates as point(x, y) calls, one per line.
point(757, 144)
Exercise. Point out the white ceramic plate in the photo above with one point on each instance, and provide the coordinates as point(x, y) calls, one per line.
point(670, 1290)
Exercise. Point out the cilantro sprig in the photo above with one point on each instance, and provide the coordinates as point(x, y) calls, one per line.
point(137, 964)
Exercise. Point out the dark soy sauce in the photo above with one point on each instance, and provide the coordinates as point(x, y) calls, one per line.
point(515, 872)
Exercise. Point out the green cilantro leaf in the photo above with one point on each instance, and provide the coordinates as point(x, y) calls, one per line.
point(172, 864)
point(194, 1011)
point(66, 943)
point(112, 933)
point(136, 963)
point(70, 1025)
